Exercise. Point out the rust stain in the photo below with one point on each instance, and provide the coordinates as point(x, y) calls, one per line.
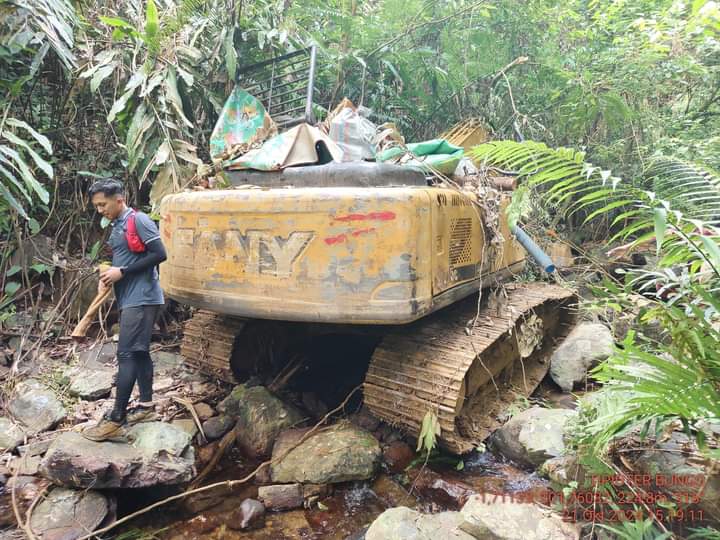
point(378, 216)
point(166, 228)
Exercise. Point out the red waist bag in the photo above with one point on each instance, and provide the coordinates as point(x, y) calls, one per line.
point(135, 243)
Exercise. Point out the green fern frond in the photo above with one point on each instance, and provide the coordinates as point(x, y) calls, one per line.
point(693, 189)
point(562, 174)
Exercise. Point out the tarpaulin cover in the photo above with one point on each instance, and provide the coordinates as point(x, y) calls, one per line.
point(352, 132)
point(301, 145)
point(436, 154)
point(242, 123)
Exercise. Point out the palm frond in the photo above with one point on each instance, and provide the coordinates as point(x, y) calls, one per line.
point(693, 189)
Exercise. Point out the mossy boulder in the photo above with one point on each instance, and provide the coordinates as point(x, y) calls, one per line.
point(260, 418)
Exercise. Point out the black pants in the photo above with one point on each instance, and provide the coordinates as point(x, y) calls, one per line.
point(134, 362)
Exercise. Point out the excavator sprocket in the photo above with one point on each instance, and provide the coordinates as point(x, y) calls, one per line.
point(468, 374)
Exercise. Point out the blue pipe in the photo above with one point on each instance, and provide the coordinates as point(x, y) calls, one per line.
point(533, 249)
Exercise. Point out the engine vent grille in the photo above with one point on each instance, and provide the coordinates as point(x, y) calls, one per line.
point(460, 245)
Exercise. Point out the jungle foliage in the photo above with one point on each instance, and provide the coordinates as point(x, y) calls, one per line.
point(607, 109)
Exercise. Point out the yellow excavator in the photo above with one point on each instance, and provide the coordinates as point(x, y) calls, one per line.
point(376, 247)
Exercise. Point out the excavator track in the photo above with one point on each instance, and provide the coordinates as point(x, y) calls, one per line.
point(468, 375)
point(208, 341)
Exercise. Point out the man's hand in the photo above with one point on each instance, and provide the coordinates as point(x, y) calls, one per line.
point(110, 276)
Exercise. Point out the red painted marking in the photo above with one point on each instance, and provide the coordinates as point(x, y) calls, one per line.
point(339, 239)
point(379, 216)
point(358, 232)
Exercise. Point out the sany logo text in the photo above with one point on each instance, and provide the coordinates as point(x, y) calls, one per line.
point(261, 252)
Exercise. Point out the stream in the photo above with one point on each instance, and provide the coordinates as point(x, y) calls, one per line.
point(352, 507)
point(347, 512)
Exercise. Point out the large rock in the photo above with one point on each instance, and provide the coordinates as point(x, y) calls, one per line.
point(585, 347)
point(260, 418)
point(405, 524)
point(159, 454)
point(565, 469)
point(36, 407)
point(99, 356)
point(167, 361)
point(90, 384)
point(341, 453)
point(11, 435)
point(676, 467)
point(217, 426)
point(533, 436)
point(510, 520)
point(67, 514)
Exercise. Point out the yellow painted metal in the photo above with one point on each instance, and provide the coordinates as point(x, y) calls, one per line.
point(341, 255)
point(467, 133)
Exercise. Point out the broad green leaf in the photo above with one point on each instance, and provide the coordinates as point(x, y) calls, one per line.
point(117, 22)
point(13, 270)
point(44, 165)
point(27, 175)
point(12, 201)
point(230, 55)
point(100, 75)
point(152, 23)
point(173, 96)
point(41, 139)
point(119, 105)
point(39, 268)
point(660, 220)
point(713, 249)
point(12, 287)
point(14, 181)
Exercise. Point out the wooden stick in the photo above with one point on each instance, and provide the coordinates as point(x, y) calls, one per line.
point(225, 443)
point(82, 327)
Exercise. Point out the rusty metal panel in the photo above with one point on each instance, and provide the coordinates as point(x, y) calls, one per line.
point(343, 255)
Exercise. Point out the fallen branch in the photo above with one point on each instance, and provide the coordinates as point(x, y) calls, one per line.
point(226, 483)
point(225, 443)
point(191, 409)
point(24, 525)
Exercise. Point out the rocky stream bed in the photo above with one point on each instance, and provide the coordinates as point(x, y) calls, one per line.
point(351, 477)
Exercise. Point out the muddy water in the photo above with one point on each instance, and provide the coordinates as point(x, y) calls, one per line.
point(351, 508)
point(345, 514)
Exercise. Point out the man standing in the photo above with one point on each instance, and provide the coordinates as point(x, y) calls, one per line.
point(136, 251)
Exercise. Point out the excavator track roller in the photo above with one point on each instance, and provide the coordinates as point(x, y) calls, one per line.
point(468, 374)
